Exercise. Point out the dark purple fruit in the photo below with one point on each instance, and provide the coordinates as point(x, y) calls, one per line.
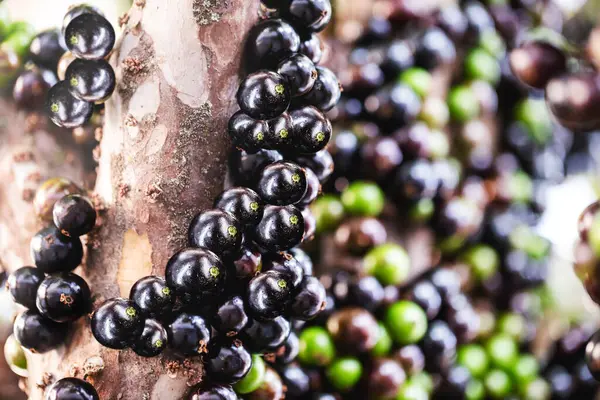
point(117, 323)
point(269, 43)
point(312, 130)
point(359, 235)
point(300, 73)
point(295, 379)
point(291, 347)
point(74, 215)
point(71, 389)
point(246, 133)
point(245, 167)
point(217, 231)
point(563, 97)
point(426, 296)
point(365, 292)
point(228, 362)
point(90, 36)
point(439, 347)
point(269, 294)
point(215, 392)
point(23, 284)
point(385, 378)
point(91, 80)
point(264, 95)
point(248, 264)
point(411, 359)
point(309, 300)
point(189, 334)
point(380, 156)
point(282, 183)
point(231, 316)
point(535, 63)
point(303, 259)
point(32, 87)
point(63, 297)
point(243, 203)
point(313, 189)
point(260, 336)
point(280, 134)
point(54, 252)
point(77, 10)
point(64, 109)
point(434, 49)
point(312, 48)
point(196, 272)
point(152, 295)
point(326, 91)
point(353, 329)
point(152, 341)
point(46, 49)
point(592, 355)
point(281, 228)
point(321, 163)
point(286, 264)
point(38, 334)
point(308, 15)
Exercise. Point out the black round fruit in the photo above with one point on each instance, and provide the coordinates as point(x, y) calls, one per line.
point(77, 10)
point(63, 297)
point(261, 336)
point(54, 252)
point(196, 272)
point(152, 341)
point(23, 285)
point(269, 42)
point(189, 334)
point(231, 317)
point(313, 188)
point(215, 392)
point(268, 294)
point(74, 215)
point(117, 323)
point(90, 36)
point(244, 167)
point(425, 294)
point(282, 183)
point(217, 231)
point(309, 15)
point(248, 264)
point(228, 362)
point(303, 259)
point(286, 264)
point(312, 130)
point(309, 300)
point(281, 228)
point(439, 347)
point(321, 163)
point(326, 91)
point(243, 203)
point(291, 348)
point(366, 292)
point(32, 86)
point(71, 389)
point(592, 355)
point(46, 48)
point(64, 109)
point(281, 133)
point(153, 297)
point(264, 95)
point(38, 334)
point(295, 379)
point(300, 73)
point(91, 80)
point(246, 133)
point(312, 48)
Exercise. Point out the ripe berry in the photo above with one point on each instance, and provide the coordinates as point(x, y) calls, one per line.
point(264, 95)
point(310, 225)
point(152, 341)
point(303, 259)
point(153, 297)
point(312, 130)
point(439, 347)
point(117, 323)
point(215, 392)
point(300, 73)
point(189, 334)
point(243, 203)
point(321, 163)
point(248, 264)
point(46, 48)
point(71, 389)
point(90, 36)
point(365, 292)
point(247, 133)
point(196, 272)
point(268, 294)
point(385, 378)
point(76, 11)
point(313, 188)
point(295, 379)
point(281, 133)
point(260, 336)
point(49, 193)
point(535, 63)
point(245, 167)
point(74, 215)
point(228, 362)
point(280, 229)
point(270, 42)
point(230, 317)
point(32, 86)
point(434, 49)
point(286, 264)
point(416, 180)
point(91, 80)
point(309, 300)
point(54, 252)
point(64, 109)
point(426, 295)
point(312, 48)
point(326, 91)
point(63, 297)
point(217, 231)
point(23, 285)
point(38, 334)
point(291, 348)
point(310, 15)
point(282, 183)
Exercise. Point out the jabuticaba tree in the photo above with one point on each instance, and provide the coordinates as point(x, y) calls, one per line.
point(161, 159)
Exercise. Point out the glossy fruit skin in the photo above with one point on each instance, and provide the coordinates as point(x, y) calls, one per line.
point(359, 235)
point(326, 91)
point(321, 163)
point(312, 130)
point(309, 15)
point(281, 228)
point(295, 379)
point(569, 110)
point(49, 192)
point(54, 252)
point(74, 215)
point(91, 80)
point(248, 264)
point(243, 203)
point(264, 336)
point(286, 264)
point(434, 49)
point(63, 297)
point(217, 231)
point(312, 48)
point(247, 133)
point(427, 297)
point(269, 42)
point(536, 62)
point(153, 297)
point(152, 341)
point(197, 272)
point(46, 48)
point(228, 362)
point(215, 392)
point(385, 378)
point(268, 294)
point(300, 73)
point(231, 317)
point(76, 11)
point(117, 323)
point(365, 292)
point(592, 355)
point(282, 183)
point(280, 134)
point(32, 86)
point(38, 334)
point(23, 285)
point(397, 105)
point(353, 329)
point(90, 36)
point(439, 347)
point(303, 259)
point(272, 387)
point(245, 167)
point(64, 109)
point(309, 300)
point(71, 389)
point(189, 334)
point(313, 188)
point(264, 95)
point(291, 347)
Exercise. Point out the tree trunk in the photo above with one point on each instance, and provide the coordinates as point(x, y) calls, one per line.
point(162, 159)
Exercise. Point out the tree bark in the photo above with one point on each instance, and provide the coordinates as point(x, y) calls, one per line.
point(162, 159)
